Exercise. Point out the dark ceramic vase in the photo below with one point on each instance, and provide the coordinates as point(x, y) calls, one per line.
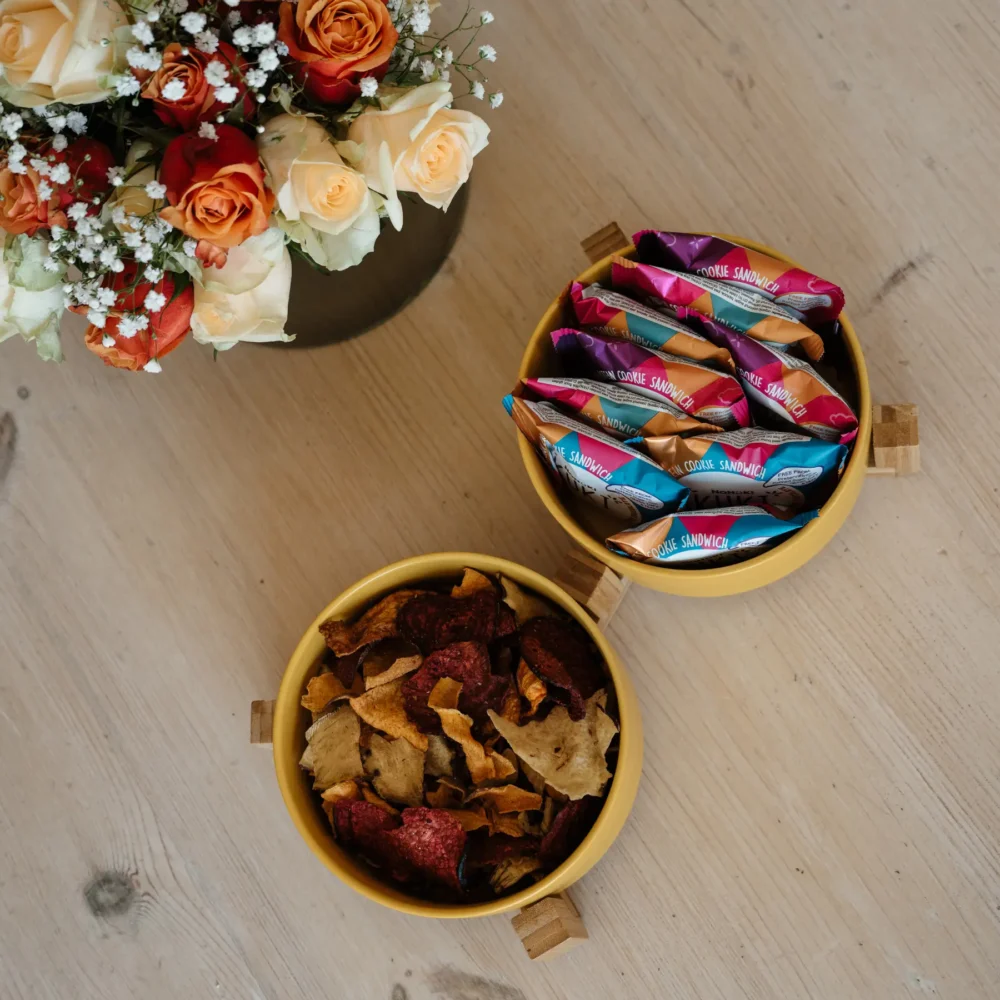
point(325, 308)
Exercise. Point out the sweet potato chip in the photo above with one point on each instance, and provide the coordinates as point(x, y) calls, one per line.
point(434, 621)
point(383, 709)
point(438, 762)
point(375, 799)
point(448, 795)
point(568, 754)
point(342, 790)
point(377, 623)
point(472, 581)
point(324, 688)
point(458, 727)
point(561, 653)
point(506, 798)
point(333, 753)
point(509, 826)
point(503, 768)
point(430, 843)
point(466, 662)
point(396, 769)
point(403, 666)
point(510, 871)
point(524, 605)
point(470, 819)
point(511, 706)
point(532, 688)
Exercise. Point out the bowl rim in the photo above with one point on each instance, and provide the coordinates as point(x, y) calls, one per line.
point(301, 666)
point(720, 579)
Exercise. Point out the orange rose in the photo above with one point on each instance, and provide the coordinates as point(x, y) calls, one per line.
point(215, 187)
point(21, 210)
point(167, 326)
point(187, 67)
point(337, 42)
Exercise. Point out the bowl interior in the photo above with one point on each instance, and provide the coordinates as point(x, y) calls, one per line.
point(291, 722)
point(843, 367)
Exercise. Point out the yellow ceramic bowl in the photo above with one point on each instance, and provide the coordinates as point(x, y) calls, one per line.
point(589, 531)
point(291, 722)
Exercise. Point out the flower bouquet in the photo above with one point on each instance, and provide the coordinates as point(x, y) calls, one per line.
point(159, 161)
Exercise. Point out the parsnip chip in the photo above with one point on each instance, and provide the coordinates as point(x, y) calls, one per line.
point(511, 709)
point(448, 795)
point(524, 605)
point(403, 666)
point(375, 799)
point(333, 754)
point(438, 762)
point(503, 769)
point(568, 754)
point(471, 819)
point(507, 798)
point(472, 580)
point(396, 768)
point(510, 871)
point(383, 709)
point(548, 811)
point(377, 623)
point(457, 726)
point(324, 688)
point(533, 689)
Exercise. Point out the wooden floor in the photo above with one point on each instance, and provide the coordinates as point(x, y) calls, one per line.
point(820, 810)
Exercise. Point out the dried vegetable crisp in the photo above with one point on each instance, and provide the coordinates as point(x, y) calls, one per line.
point(476, 766)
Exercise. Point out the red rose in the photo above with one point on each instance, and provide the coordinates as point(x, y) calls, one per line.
point(167, 326)
point(336, 43)
point(215, 187)
point(198, 103)
point(89, 162)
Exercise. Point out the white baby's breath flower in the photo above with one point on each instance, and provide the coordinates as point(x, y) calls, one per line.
point(496, 99)
point(156, 190)
point(206, 41)
point(173, 90)
point(59, 143)
point(118, 267)
point(189, 247)
point(152, 233)
point(107, 340)
point(178, 6)
point(488, 53)
point(152, 15)
point(268, 58)
point(57, 122)
point(226, 94)
point(11, 124)
point(152, 366)
point(207, 131)
point(369, 86)
point(108, 256)
point(256, 78)
point(77, 211)
point(126, 85)
point(154, 301)
point(132, 239)
point(153, 274)
point(282, 49)
point(216, 73)
point(77, 121)
point(232, 3)
point(243, 37)
point(485, 17)
point(60, 173)
point(427, 68)
point(234, 18)
point(444, 75)
point(44, 190)
point(420, 18)
point(106, 296)
point(447, 56)
point(142, 33)
point(15, 151)
point(478, 90)
point(51, 264)
point(40, 166)
point(118, 215)
point(97, 317)
point(264, 33)
point(144, 254)
point(116, 176)
point(194, 22)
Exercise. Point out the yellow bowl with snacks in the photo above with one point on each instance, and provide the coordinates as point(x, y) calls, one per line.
point(291, 721)
point(589, 527)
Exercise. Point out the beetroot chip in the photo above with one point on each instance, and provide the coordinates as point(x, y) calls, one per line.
point(485, 851)
point(466, 662)
point(430, 843)
point(560, 652)
point(345, 668)
point(506, 622)
point(361, 824)
point(434, 621)
point(571, 825)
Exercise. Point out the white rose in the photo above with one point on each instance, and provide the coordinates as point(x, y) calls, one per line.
point(247, 298)
point(322, 202)
point(430, 146)
point(50, 50)
point(31, 298)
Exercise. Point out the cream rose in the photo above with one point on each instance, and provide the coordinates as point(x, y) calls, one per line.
point(131, 195)
point(50, 50)
point(31, 298)
point(430, 146)
point(247, 298)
